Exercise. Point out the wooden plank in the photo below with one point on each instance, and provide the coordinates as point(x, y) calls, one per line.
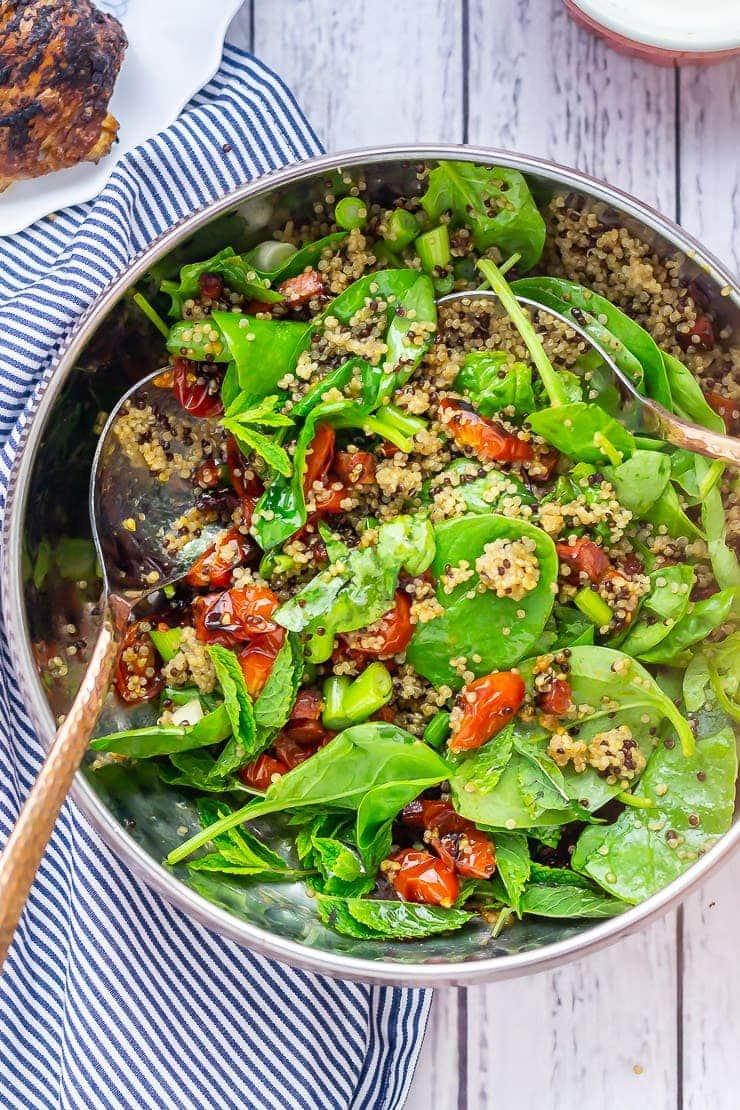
point(711, 993)
point(436, 1083)
point(709, 170)
point(541, 85)
point(368, 74)
point(598, 1032)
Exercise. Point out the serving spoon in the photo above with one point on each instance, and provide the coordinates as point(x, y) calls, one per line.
point(657, 420)
point(131, 512)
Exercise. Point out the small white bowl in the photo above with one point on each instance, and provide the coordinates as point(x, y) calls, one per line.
point(666, 32)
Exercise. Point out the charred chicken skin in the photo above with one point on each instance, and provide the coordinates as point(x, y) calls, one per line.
point(59, 60)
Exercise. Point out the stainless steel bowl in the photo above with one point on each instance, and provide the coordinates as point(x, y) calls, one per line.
point(47, 501)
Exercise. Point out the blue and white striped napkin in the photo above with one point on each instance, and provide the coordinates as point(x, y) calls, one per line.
point(111, 998)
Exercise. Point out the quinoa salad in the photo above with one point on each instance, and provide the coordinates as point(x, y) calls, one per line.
point(466, 632)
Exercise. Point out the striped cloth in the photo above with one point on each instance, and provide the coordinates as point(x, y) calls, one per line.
point(111, 997)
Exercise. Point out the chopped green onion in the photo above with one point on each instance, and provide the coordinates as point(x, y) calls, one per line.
point(167, 642)
point(593, 606)
point(319, 647)
point(334, 691)
point(275, 563)
point(368, 693)
point(180, 695)
point(350, 212)
point(438, 729)
point(151, 314)
point(393, 424)
point(628, 799)
point(403, 228)
point(433, 248)
point(444, 285)
point(270, 255)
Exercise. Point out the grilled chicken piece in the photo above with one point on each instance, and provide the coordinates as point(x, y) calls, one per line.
point(59, 60)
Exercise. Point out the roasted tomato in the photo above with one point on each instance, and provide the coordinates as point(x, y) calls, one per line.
point(557, 699)
point(487, 439)
point(354, 468)
point(138, 674)
point(586, 557)
point(302, 288)
point(700, 335)
point(211, 285)
point(307, 705)
point(257, 658)
point(487, 705)
point(290, 752)
point(235, 616)
point(455, 840)
point(259, 773)
point(198, 395)
point(421, 877)
point(388, 636)
point(213, 569)
point(727, 409)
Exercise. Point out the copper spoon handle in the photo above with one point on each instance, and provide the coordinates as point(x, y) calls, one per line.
point(692, 437)
point(27, 842)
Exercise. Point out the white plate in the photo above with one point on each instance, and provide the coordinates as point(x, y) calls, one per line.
point(174, 48)
point(701, 26)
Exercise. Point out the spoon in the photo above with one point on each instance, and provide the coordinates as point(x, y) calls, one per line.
point(657, 420)
point(131, 512)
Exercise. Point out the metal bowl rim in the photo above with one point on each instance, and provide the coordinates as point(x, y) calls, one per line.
point(144, 866)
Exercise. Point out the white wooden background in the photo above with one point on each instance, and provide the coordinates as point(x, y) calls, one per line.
point(652, 1022)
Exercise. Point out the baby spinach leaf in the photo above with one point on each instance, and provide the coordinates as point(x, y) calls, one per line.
point(688, 399)
point(236, 272)
point(724, 562)
point(513, 864)
point(264, 351)
point(340, 775)
point(494, 202)
point(559, 900)
point(667, 511)
point(701, 618)
point(474, 625)
point(376, 814)
point(305, 258)
point(483, 768)
point(142, 743)
point(661, 609)
point(584, 431)
point(371, 918)
point(355, 592)
point(490, 493)
point(640, 480)
point(693, 800)
point(243, 744)
point(505, 807)
point(617, 333)
point(493, 383)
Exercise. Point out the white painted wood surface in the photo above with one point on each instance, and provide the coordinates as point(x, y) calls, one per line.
point(652, 1022)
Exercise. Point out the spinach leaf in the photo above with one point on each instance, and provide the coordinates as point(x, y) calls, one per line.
point(701, 618)
point(370, 918)
point(661, 609)
point(473, 626)
point(688, 399)
point(493, 383)
point(236, 272)
point(376, 814)
point(264, 351)
point(243, 745)
point(724, 562)
point(355, 592)
point(483, 768)
point(561, 900)
point(272, 707)
point(305, 258)
point(505, 807)
point(142, 743)
point(513, 864)
point(640, 480)
point(339, 775)
point(631, 347)
point(494, 202)
point(667, 511)
point(488, 494)
point(584, 431)
point(692, 805)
